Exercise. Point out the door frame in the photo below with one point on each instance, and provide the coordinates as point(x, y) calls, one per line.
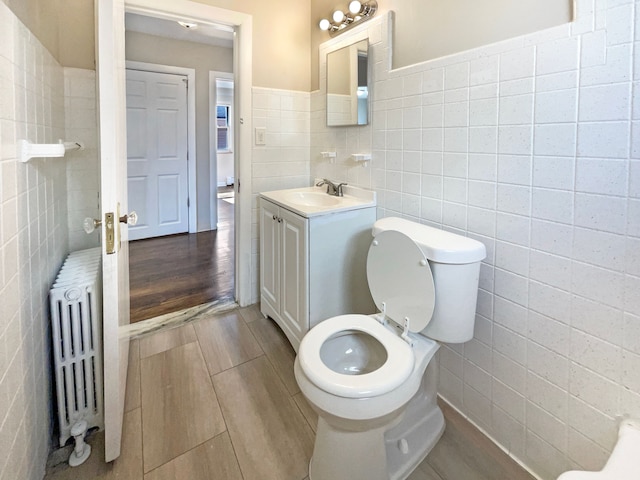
point(190, 73)
point(213, 140)
point(242, 24)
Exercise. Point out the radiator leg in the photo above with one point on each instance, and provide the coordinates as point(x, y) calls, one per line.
point(82, 449)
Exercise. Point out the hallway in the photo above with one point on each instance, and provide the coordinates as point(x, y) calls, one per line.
point(171, 273)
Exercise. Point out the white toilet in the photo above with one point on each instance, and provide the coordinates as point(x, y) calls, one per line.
point(624, 462)
point(370, 378)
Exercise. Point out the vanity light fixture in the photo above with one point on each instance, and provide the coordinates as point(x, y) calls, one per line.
point(357, 12)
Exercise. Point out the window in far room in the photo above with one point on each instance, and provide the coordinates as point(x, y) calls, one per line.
point(222, 128)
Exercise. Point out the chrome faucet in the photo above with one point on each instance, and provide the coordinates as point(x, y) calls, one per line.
point(332, 188)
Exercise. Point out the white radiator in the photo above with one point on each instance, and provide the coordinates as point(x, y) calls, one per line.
point(76, 318)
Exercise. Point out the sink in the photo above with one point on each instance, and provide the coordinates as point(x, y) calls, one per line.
point(312, 199)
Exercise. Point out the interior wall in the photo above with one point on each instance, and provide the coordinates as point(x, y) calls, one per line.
point(531, 146)
point(83, 166)
point(33, 244)
point(428, 29)
point(281, 41)
point(281, 38)
point(203, 58)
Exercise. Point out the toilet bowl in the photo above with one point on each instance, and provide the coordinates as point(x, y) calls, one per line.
point(370, 377)
point(624, 462)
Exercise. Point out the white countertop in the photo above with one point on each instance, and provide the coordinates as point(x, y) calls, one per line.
point(354, 198)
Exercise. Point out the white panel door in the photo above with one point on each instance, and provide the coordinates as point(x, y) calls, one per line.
point(157, 153)
point(113, 168)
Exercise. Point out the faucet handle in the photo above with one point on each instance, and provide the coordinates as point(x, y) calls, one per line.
point(339, 192)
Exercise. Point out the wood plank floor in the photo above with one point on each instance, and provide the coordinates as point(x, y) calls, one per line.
point(167, 274)
point(253, 423)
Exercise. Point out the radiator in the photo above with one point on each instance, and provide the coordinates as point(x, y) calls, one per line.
point(76, 317)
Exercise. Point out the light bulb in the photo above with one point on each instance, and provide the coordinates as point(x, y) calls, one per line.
point(355, 6)
point(338, 16)
point(324, 24)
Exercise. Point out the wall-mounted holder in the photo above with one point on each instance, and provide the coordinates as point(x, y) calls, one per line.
point(361, 158)
point(28, 150)
point(329, 155)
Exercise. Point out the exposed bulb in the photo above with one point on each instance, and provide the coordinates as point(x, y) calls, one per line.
point(338, 16)
point(324, 24)
point(355, 6)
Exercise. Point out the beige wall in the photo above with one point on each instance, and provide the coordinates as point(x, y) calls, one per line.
point(281, 38)
point(427, 29)
point(64, 27)
point(203, 58)
point(36, 16)
point(281, 41)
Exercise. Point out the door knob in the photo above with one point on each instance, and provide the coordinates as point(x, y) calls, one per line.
point(90, 224)
point(130, 219)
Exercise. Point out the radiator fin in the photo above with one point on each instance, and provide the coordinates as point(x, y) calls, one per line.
point(76, 322)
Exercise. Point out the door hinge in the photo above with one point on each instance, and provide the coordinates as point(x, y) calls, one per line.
point(188, 203)
point(238, 185)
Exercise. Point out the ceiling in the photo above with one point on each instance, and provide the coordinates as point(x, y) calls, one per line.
point(210, 34)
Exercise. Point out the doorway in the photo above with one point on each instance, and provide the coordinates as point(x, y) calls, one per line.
point(221, 145)
point(171, 270)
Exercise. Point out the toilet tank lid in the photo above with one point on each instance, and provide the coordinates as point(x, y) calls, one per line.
point(438, 245)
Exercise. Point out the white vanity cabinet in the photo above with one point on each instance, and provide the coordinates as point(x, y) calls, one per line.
point(312, 268)
point(284, 247)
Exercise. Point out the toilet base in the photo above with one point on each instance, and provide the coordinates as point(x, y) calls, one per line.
point(409, 442)
point(391, 451)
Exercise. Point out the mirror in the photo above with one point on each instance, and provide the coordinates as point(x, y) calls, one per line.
point(347, 88)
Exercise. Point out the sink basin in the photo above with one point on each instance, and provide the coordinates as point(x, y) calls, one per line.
point(312, 199)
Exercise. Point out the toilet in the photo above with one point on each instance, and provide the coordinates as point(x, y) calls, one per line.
point(624, 462)
point(370, 377)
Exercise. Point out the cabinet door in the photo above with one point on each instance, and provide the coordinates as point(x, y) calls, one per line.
point(294, 273)
point(270, 254)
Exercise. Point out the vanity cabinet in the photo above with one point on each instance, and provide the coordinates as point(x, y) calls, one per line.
point(313, 268)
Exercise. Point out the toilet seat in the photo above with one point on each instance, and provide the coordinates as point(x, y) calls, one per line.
point(391, 374)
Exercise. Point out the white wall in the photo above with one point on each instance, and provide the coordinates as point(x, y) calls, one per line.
point(83, 167)
point(33, 244)
point(531, 146)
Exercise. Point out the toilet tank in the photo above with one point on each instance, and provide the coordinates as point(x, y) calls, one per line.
point(455, 265)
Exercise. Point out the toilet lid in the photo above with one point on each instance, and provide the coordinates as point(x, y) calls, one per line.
point(395, 370)
point(400, 277)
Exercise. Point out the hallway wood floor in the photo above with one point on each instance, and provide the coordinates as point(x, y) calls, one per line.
point(167, 274)
point(216, 399)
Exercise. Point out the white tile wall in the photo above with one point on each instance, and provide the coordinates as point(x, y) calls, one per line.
point(83, 168)
point(284, 161)
point(33, 243)
point(526, 145)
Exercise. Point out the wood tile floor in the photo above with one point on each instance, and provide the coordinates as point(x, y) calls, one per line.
point(216, 400)
point(171, 273)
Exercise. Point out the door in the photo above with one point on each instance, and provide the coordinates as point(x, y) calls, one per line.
point(157, 149)
point(113, 168)
point(270, 254)
point(294, 277)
